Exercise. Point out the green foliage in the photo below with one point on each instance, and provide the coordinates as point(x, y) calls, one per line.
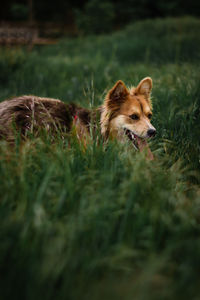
point(19, 11)
point(103, 222)
point(100, 14)
point(97, 17)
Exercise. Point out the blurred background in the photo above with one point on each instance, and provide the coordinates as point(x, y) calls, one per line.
point(74, 17)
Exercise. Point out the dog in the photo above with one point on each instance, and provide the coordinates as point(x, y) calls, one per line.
point(125, 114)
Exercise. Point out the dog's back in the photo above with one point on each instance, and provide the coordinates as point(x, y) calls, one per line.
point(31, 113)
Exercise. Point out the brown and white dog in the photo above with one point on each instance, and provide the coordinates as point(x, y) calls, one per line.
point(125, 113)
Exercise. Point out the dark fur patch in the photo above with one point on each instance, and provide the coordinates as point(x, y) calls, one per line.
point(31, 114)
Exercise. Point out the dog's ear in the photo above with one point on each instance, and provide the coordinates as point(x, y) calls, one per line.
point(118, 93)
point(144, 87)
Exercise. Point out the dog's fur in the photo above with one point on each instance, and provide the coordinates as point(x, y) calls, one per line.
point(125, 112)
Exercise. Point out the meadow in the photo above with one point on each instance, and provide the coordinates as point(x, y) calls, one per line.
point(105, 223)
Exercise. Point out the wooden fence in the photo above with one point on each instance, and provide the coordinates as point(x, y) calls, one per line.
point(22, 36)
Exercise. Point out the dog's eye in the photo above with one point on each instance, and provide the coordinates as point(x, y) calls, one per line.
point(149, 116)
point(134, 117)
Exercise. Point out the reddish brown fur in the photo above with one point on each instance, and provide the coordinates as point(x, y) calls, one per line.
point(123, 102)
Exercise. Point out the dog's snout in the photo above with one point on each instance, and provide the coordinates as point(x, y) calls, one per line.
point(151, 132)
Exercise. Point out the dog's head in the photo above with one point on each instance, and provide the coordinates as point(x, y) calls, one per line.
point(128, 112)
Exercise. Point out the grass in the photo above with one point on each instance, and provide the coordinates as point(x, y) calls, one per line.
point(104, 223)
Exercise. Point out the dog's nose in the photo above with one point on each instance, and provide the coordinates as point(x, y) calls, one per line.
point(151, 132)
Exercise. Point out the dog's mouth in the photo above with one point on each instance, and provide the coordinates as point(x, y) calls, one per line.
point(137, 142)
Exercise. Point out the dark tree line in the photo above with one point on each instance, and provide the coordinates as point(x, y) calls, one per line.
point(101, 15)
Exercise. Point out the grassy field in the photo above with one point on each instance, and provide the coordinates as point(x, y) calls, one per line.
point(104, 223)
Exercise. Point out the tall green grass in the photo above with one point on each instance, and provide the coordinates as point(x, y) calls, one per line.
point(102, 222)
